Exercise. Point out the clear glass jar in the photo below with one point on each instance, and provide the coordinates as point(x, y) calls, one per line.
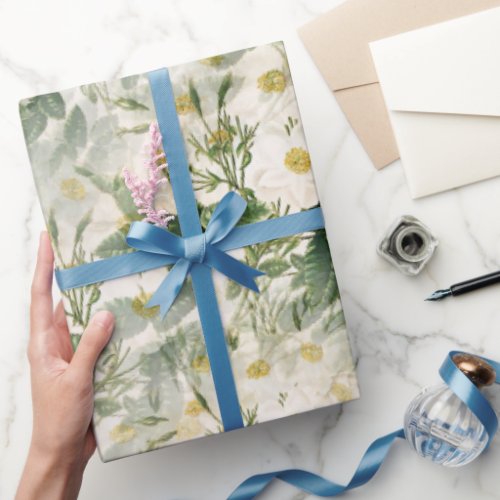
point(441, 428)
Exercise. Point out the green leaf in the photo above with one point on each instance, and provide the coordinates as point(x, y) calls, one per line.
point(138, 129)
point(296, 317)
point(59, 153)
point(195, 98)
point(104, 184)
point(52, 105)
point(102, 130)
point(292, 242)
point(90, 92)
point(129, 404)
point(114, 244)
point(57, 157)
point(247, 159)
point(255, 211)
point(225, 85)
point(297, 261)
point(106, 406)
point(232, 290)
point(129, 82)
point(200, 398)
point(75, 128)
point(53, 229)
point(97, 155)
point(233, 341)
point(239, 148)
point(155, 443)
point(274, 267)
point(94, 296)
point(82, 225)
point(319, 275)
point(33, 120)
point(124, 200)
point(129, 104)
point(75, 340)
point(165, 437)
point(151, 420)
point(206, 214)
point(250, 415)
point(251, 256)
point(154, 398)
point(154, 367)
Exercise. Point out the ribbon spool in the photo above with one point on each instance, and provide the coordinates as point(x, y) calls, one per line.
point(465, 438)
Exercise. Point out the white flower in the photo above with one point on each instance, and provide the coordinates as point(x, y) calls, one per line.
point(280, 170)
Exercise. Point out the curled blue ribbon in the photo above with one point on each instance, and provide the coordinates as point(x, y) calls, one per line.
point(199, 249)
point(376, 453)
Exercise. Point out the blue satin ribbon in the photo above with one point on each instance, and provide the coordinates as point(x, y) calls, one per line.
point(199, 249)
point(195, 253)
point(377, 451)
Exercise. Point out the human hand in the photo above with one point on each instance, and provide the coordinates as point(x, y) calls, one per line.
point(62, 391)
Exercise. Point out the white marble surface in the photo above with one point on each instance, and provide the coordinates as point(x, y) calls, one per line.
point(399, 339)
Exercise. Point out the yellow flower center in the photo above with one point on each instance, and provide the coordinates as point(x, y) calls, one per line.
point(213, 61)
point(258, 369)
point(341, 392)
point(188, 428)
point(201, 364)
point(123, 223)
point(122, 433)
point(139, 306)
point(220, 136)
point(311, 352)
point(272, 81)
point(73, 189)
point(298, 161)
point(183, 104)
point(162, 160)
point(193, 408)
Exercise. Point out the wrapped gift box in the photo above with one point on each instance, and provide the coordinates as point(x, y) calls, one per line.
point(99, 164)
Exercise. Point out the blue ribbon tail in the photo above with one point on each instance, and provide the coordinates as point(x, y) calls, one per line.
point(170, 287)
point(375, 455)
point(317, 485)
point(232, 268)
point(465, 389)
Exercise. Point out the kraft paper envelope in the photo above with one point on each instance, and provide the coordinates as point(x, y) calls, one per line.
point(338, 43)
point(442, 88)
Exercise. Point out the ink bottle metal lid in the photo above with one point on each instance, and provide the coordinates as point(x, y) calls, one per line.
point(408, 244)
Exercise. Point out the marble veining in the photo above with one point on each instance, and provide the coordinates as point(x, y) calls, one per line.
point(399, 340)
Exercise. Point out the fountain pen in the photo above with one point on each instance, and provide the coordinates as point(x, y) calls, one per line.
point(466, 286)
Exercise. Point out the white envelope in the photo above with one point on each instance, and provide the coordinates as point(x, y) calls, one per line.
point(441, 85)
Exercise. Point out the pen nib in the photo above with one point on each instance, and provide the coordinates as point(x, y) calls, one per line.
point(439, 294)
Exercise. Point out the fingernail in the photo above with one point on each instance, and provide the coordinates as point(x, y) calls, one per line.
point(105, 319)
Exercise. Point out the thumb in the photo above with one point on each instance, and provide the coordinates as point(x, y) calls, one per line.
point(94, 339)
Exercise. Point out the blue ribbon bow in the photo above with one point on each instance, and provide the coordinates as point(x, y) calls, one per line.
point(201, 249)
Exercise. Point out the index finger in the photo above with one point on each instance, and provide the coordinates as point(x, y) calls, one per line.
point(41, 287)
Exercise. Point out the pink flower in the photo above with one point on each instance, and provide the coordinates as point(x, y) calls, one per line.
point(144, 191)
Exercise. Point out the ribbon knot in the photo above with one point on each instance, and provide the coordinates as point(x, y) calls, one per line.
point(195, 248)
point(201, 249)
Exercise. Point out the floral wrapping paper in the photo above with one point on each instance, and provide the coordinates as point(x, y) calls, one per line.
point(242, 131)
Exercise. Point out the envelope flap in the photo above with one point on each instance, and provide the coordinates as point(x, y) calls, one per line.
point(452, 67)
point(338, 40)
